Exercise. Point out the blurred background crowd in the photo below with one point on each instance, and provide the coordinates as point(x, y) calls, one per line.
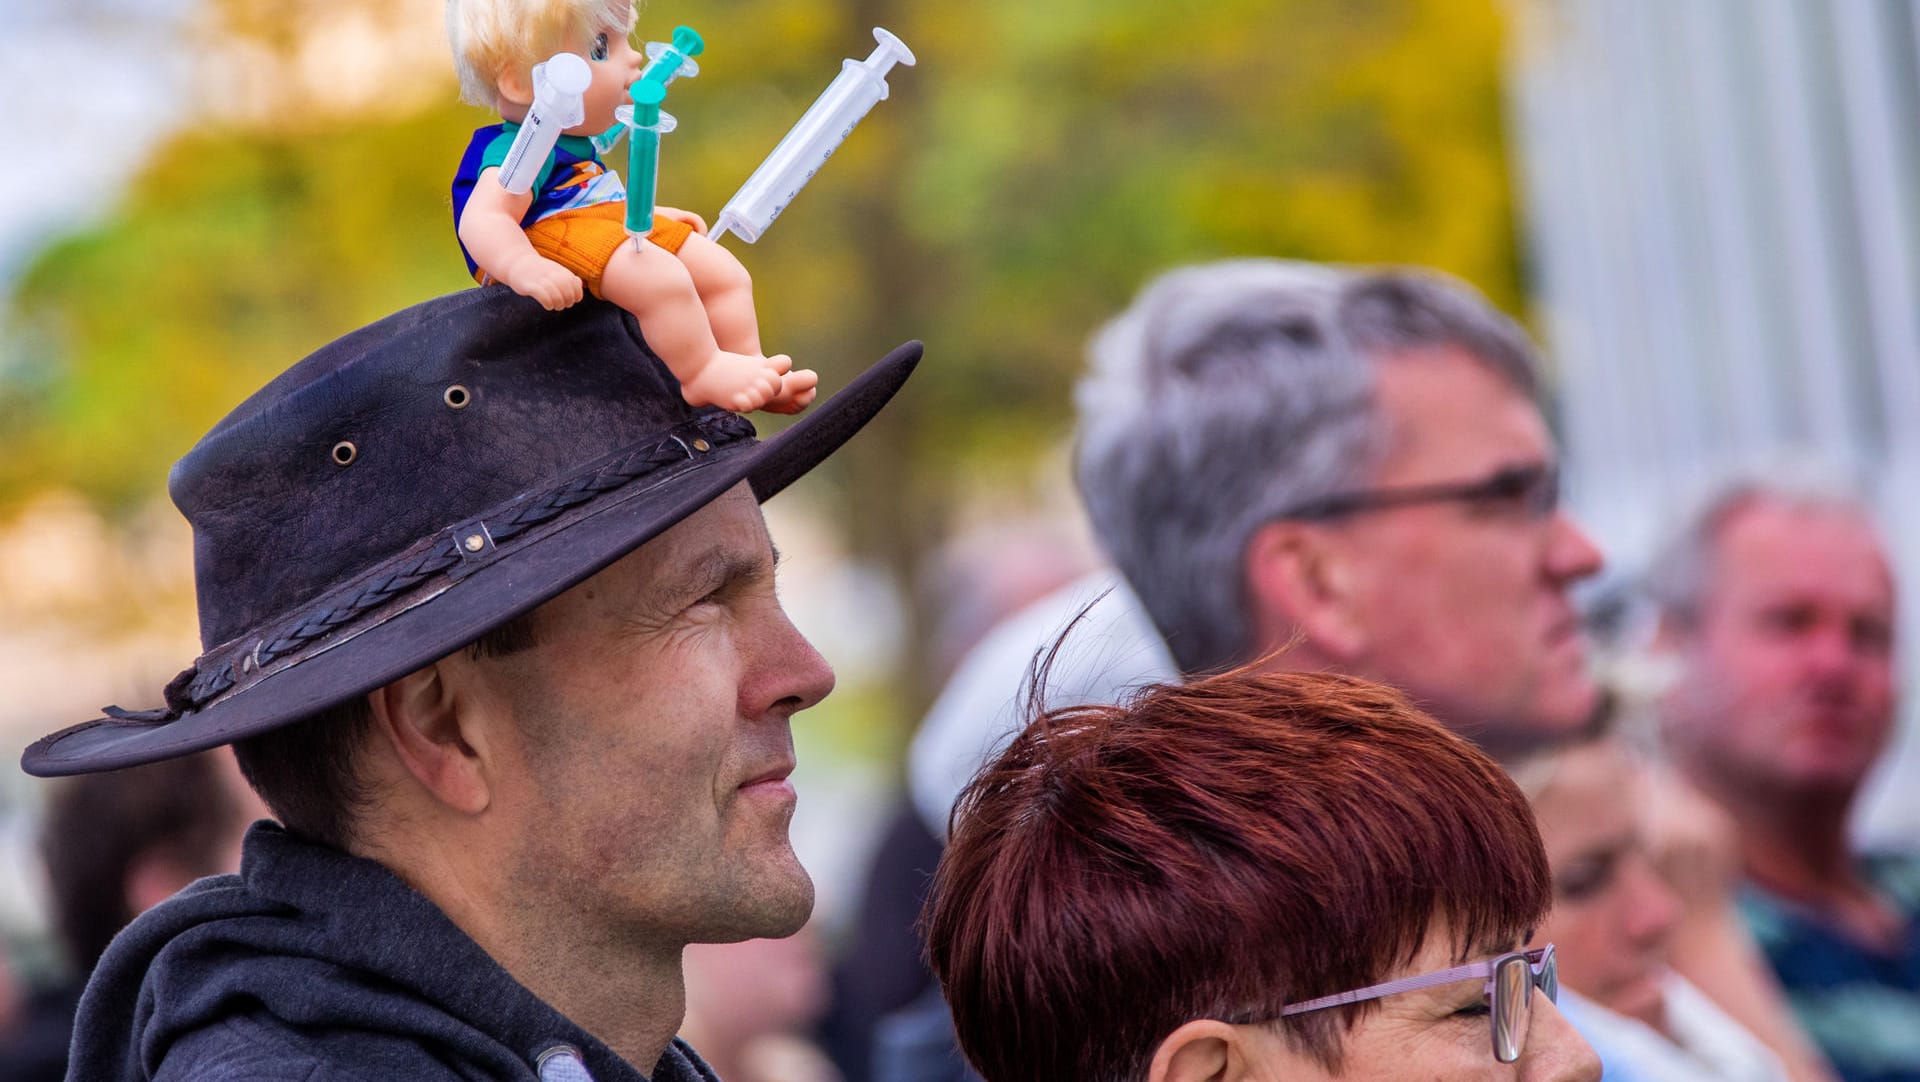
point(1707, 213)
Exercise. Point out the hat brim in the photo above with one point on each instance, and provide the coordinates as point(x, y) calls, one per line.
point(483, 600)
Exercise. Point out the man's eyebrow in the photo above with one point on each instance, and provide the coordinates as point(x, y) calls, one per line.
point(715, 569)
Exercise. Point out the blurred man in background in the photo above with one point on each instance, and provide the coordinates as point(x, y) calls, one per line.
point(1777, 601)
point(115, 845)
point(1347, 463)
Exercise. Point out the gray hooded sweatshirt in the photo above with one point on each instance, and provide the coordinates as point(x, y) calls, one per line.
point(315, 966)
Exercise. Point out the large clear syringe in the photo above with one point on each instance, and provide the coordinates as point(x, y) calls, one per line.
point(558, 87)
point(861, 85)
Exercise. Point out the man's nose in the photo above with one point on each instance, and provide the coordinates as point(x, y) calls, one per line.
point(789, 674)
point(1555, 1052)
point(1570, 555)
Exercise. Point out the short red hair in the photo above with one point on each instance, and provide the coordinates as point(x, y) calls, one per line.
point(1216, 850)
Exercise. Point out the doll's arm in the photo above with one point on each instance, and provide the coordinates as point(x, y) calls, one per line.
point(490, 230)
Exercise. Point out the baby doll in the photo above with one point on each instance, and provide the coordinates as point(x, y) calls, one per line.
point(693, 299)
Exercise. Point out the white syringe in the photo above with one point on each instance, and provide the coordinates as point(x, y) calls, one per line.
point(861, 85)
point(558, 86)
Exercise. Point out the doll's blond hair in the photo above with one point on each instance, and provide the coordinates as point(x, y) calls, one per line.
point(491, 37)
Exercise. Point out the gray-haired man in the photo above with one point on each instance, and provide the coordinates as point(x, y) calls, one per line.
point(1348, 462)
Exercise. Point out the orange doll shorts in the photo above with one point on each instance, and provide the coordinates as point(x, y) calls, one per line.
point(583, 240)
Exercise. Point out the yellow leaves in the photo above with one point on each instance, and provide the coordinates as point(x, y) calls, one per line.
point(1040, 163)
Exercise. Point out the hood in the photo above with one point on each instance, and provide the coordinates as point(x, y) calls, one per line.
point(339, 953)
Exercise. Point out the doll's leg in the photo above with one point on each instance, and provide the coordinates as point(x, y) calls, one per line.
point(650, 282)
point(727, 291)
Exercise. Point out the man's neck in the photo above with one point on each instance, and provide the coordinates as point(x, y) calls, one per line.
point(630, 994)
point(1795, 845)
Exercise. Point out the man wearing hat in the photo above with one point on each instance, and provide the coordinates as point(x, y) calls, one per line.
point(489, 616)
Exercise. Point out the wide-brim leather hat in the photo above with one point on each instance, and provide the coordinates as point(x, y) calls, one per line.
point(421, 481)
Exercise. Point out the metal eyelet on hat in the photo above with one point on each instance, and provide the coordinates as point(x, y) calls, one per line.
point(344, 453)
point(457, 397)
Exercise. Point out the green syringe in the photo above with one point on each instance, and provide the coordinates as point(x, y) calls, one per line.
point(646, 122)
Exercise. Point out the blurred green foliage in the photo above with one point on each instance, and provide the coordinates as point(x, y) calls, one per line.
point(1037, 166)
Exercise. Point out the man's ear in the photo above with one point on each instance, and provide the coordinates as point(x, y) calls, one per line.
point(444, 748)
point(1301, 585)
point(1202, 1050)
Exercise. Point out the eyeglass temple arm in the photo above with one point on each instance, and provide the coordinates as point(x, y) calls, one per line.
point(1482, 970)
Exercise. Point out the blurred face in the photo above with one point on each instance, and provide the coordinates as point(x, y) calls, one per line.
point(1464, 605)
point(1788, 681)
point(1440, 1034)
point(1613, 916)
point(654, 710)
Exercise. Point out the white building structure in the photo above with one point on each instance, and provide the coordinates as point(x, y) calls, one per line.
point(1723, 198)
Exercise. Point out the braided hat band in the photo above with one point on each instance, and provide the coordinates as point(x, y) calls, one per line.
point(397, 583)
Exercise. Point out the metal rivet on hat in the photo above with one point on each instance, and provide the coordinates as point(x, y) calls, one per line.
point(344, 453)
point(457, 397)
point(475, 542)
point(702, 446)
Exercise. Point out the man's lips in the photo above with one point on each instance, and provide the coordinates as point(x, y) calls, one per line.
point(775, 776)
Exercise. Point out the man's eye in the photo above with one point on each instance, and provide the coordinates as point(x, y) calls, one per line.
point(1584, 880)
point(599, 47)
point(1477, 1009)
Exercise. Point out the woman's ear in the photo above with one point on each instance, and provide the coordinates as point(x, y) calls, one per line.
point(1199, 1051)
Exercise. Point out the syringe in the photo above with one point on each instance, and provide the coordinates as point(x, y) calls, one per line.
point(848, 99)
point(558, 86)
point(666, 61)
point(649, 123)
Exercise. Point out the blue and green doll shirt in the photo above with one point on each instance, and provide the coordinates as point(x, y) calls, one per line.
point(573, 177)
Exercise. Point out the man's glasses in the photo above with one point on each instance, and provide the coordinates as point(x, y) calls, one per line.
point(1534, 489)
point(1511, 979)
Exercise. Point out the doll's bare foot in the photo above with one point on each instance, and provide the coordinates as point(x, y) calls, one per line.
point(797, 390)
point(736, 381)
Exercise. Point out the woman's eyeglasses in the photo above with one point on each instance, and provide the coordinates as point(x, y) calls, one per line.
point(1511, 979)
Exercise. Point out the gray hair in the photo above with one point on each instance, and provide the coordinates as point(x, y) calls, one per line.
point(1231, 392)
point(1683, 566)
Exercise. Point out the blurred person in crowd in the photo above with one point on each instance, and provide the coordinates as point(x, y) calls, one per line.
point(1251, 876)
point(1350, 460)
point(1614, 920)
point(115, 845)
point(1776, 602)
point(751, 1005)
point(971, 583)
point(490, 613)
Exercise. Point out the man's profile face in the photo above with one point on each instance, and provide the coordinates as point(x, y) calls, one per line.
point(1789, 663)
point(654, 716)
point(1464, 605)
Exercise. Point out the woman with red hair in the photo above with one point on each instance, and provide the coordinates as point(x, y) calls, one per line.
point(1249, 877)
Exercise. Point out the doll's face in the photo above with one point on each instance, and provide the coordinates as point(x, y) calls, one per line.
point(615, 64)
